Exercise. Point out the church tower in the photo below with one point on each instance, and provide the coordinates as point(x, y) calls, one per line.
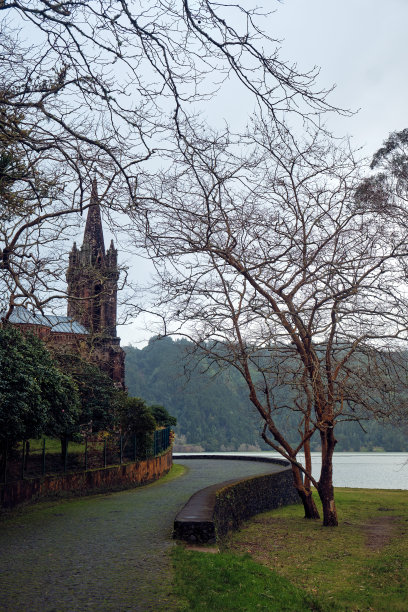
point(92, 278)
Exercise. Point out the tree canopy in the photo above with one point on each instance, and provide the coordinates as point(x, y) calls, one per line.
point(96, 88)
point(213, 409)
point(162, 416)
point(35, 396)
point(98, 396)
point(269, 262)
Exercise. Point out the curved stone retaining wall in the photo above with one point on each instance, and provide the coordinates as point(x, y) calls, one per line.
point(239, 501)
point(213, 511)
point(91, 481)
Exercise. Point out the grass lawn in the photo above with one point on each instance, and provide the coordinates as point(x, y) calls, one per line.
point(227, 582)
point(280, 561)
point(53, 445)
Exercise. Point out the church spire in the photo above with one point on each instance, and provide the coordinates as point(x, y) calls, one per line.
point(93, 235)
point(92, 278)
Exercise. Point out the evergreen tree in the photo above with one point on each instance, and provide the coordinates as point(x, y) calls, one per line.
point(35, 396)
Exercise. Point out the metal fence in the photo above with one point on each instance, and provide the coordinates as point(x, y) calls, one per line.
point(31, 459)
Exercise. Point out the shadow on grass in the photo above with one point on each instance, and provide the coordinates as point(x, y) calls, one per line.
point(234, 583)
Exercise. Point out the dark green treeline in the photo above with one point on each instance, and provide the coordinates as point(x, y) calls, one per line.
point(213, 410)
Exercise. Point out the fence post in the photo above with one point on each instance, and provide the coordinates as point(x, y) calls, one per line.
point(5, 461)
point(22, 461)
point(65, 455)
point(43, 457)
point(121, 448)
point(104, 453)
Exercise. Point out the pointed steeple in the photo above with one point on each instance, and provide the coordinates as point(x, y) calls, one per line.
point(92, 278)
point(93, 235)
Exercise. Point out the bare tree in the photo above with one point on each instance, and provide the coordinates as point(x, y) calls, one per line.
point(271, 264)
point(95, 86)
point(38, 215)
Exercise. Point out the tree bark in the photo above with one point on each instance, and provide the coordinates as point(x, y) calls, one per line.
point(329, 507)
point(325, 486)
point(305, 494)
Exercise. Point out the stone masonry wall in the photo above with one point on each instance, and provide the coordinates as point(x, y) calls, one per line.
point(239, 501)
point(116, 477)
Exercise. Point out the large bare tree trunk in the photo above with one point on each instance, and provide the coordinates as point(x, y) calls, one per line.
point(312, 511)
point(325, 488)
point(305, 494)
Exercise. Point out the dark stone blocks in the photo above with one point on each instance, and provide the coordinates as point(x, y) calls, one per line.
point(213, 511)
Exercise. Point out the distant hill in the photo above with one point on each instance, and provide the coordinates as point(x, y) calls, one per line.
point(213, 409)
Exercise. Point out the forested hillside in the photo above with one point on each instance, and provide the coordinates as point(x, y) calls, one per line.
point(213, 409)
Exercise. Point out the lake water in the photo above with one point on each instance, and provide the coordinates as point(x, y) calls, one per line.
point(363, 470)
point(367, 470)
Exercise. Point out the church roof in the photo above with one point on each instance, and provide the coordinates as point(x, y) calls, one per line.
point(65, 325)
point(57, 323)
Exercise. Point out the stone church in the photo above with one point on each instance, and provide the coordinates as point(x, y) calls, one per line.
point(90, 324)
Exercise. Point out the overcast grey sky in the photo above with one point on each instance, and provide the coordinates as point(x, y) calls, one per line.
point(361, 46)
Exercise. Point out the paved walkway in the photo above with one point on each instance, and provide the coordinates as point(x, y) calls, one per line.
point(105, 552)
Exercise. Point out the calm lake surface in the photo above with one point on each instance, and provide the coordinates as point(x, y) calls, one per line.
point(363, 470)
point(368, 470)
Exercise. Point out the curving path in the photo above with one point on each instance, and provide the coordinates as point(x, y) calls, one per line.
point(106, 552)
